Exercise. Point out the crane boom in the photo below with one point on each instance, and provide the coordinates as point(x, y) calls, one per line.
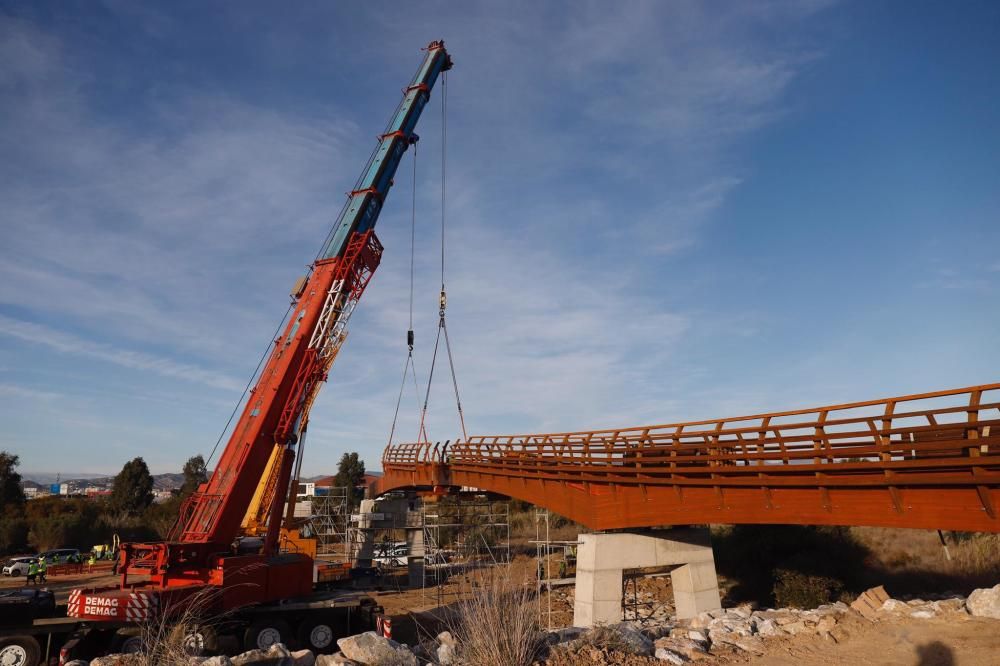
point(314, 333)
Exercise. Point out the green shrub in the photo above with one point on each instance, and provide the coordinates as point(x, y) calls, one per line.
point(752, 556)
point(799, 590)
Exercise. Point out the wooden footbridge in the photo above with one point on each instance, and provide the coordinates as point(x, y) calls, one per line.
point(924, 461)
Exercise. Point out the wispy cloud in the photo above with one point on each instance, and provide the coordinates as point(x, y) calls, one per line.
point(66, 343)
point(588, 150)
point(16, 391)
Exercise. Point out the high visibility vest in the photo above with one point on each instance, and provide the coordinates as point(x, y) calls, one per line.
point(32, 569)
point(41, 565)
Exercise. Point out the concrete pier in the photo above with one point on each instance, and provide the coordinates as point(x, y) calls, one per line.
point(602, 560)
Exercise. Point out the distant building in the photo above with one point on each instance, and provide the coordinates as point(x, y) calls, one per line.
point(162, 495)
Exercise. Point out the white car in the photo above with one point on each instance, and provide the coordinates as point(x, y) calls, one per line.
point(391, 555)
point(17, 566)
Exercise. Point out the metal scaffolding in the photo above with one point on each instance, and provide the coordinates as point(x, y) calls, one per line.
point(329, 523)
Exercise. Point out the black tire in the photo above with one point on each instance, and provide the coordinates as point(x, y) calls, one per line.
point(264, 633)
point(127, 641)
point(20, 651)
point(318, 634)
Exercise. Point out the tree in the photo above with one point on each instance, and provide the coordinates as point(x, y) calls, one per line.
point(350, 473)
point(195, 474)
point(11, 492)
point(13, 526)
point(132, 491)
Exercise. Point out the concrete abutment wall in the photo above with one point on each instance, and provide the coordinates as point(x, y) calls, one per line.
point(602, 560)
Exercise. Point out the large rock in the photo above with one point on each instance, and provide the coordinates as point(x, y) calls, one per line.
point(303, 658)
point(335, 659)
point(446, 655)
point(767, 628)
point(112, 660)
point(370, 648)
point(632, 639)
point(985, 602)
point(671, 657)
point(276, 655)
point(685, 647)
point(221, 660)
point(950, 605)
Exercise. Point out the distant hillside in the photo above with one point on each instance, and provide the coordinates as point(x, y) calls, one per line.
point(160, 481)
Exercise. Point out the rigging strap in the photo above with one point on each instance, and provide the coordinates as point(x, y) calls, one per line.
point(443, 303)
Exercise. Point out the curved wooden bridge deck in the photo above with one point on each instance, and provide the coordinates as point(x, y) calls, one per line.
point(925, 461)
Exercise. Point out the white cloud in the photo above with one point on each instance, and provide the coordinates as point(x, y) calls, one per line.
point(177, 237)
point(67, 343)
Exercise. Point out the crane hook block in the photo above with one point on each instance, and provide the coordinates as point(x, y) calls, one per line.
point(409, 338)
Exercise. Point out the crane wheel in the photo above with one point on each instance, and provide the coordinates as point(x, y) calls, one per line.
point(20, 651)
point(317, 634)
point(262, 634)
point(200, 641)
point(127, 641)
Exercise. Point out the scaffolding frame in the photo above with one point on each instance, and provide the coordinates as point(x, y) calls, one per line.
point(545, 547)
point(329, 523)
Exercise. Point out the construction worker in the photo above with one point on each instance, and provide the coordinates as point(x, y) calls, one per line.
point(91, 561)
point(41, 570)
point(32, 573)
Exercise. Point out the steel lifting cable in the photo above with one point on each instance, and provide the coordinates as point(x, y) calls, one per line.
point(443, 303)
point(410, 364)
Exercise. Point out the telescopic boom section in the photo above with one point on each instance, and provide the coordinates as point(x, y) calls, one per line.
point(276, 407)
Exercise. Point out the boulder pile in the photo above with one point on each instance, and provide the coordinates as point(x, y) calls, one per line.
point(740, 629)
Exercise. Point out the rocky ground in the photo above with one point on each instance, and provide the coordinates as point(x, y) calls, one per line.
point(945, 631)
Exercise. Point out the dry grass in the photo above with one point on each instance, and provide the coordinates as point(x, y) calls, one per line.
point(975, 558)
point(167, 637)
point(497, 625)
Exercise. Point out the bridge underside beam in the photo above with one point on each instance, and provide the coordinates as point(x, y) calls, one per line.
point(604, 507)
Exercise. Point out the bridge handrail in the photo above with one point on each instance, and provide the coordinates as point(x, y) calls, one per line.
point(949, 435)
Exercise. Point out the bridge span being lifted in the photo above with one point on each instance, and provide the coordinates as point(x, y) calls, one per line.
point(929, 460)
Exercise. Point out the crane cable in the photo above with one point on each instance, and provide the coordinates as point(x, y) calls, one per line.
point(443, 302)
point(410, 365)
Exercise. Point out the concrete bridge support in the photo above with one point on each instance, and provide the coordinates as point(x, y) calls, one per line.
point(602, 560)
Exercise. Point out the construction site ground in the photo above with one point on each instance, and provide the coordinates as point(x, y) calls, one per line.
point(964, 640)
point(955, 641)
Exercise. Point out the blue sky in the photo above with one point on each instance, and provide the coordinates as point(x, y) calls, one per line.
point(657, 212)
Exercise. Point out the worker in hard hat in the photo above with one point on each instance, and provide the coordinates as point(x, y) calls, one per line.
point(32, 573)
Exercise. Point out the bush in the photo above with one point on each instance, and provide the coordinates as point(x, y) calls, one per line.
point(13, 535)
point(795, 589)
point(753, 555)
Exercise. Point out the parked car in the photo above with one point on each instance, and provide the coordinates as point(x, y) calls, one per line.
point(391, 555)
point(17, 566)
point(26, 603)
point(61, 556)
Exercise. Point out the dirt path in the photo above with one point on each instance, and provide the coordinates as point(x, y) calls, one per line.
point(62, 585)
point(956, 640)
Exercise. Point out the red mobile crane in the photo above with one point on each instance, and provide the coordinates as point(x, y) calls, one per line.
point(202, 554)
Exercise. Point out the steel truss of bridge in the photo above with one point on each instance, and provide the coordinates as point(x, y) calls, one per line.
point(929, 461)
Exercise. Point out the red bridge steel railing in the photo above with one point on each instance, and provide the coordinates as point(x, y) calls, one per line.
point(930, 460)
